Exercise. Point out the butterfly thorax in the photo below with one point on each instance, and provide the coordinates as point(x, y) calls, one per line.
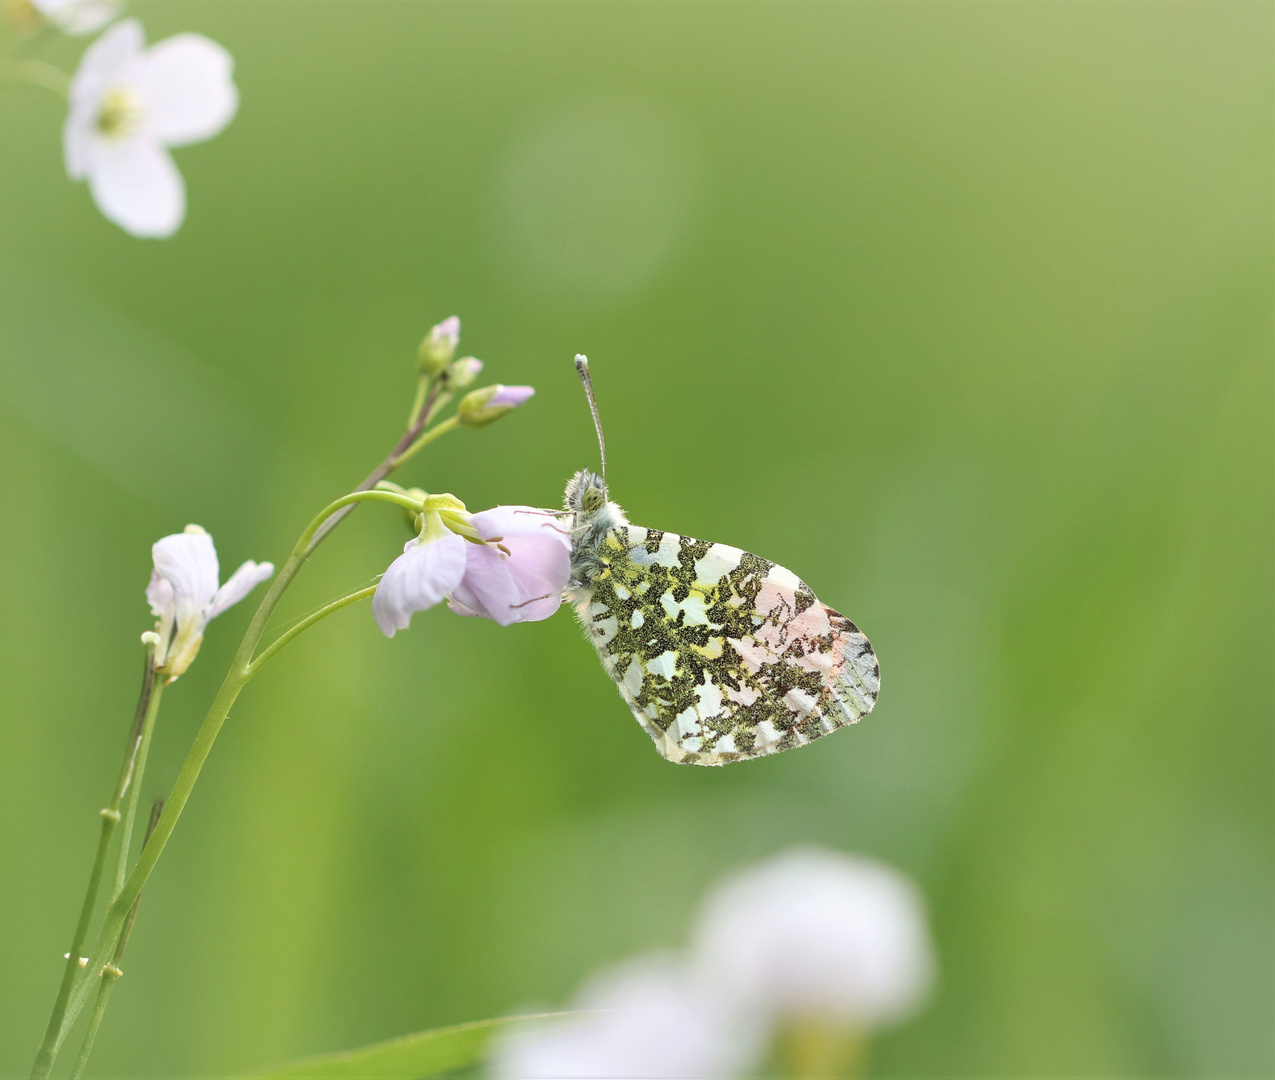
point(593, 515)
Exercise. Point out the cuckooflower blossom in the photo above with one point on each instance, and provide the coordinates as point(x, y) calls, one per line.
point(654, 1018)
point(183, 594)
point(128, 105)
point(513, 568)
point(813, 935)
point(78, 16)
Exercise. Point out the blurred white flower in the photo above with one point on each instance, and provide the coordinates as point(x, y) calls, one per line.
point(816, 936)
point(653, 1018)
point(183, 594)
point(128, 104)
point(78, 16)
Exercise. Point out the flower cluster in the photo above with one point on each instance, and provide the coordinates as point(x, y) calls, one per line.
point(129, 104)
point(811, 943)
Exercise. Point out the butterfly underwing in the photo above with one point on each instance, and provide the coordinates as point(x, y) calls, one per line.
point(721, 655)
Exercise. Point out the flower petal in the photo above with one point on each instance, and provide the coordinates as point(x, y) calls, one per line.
point(540, 567)
point(418, 579)
point(136, 185)
point(100, 67)
point(650, 1017)
point(237, 586)
point(104, 60)
point(78, 17)
point(502, 521)
point(814, 935)
point(186, 87)
point(188, 561)
point(488, 588)
point(510, 397)
point(159, 594)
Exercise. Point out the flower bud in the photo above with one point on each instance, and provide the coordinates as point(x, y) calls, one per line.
point(439, 347)
point(479, 408)
point(463, 372)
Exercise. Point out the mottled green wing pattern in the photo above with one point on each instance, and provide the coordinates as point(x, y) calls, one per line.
point(720, 654)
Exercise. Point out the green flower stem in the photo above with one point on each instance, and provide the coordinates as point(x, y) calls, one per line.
point(387, 466)
point(144, 719)
point(37, 73)
point(435, 404)
point(112, 972)
point(450, 424)
point(306, 623)
point(135, 786)
point(241, 670)
point(423, 385)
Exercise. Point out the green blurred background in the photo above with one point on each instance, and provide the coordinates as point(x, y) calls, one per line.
point(962, 311)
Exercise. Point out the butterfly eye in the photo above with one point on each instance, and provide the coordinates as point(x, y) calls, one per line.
point(592, 499)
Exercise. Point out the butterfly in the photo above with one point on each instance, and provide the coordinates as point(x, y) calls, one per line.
point(721, 655)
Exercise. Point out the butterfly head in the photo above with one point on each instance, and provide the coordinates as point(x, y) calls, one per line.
point(586, 493)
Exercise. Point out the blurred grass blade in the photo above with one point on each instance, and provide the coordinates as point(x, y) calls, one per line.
point(427, 1053)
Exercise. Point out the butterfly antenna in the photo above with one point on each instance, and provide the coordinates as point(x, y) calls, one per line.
point(582, 366)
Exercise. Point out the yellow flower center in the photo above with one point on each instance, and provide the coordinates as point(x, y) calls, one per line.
point(121, 113)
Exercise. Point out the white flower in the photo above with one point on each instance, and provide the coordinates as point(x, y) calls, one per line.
point(78, 16)
point(183, 593)
point(813, 935)
point(653, 1019)
point(128, 104)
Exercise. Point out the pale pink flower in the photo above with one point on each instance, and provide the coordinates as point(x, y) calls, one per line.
point(522, 583)
point(183, 594)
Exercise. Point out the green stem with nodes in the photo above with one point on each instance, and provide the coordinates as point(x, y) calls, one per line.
point(143, 722)
point(450, 424)
point(241, 670)
point(112, 971)
point(135, 784)
point(37, 73)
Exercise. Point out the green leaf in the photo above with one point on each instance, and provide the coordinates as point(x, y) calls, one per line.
point(427, 1053)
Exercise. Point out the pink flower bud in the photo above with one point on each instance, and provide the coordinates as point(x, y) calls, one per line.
point(479, 408)
point(439, 346)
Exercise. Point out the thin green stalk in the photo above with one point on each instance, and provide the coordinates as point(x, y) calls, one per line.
point(110, 818)
point(135, 783)
point(241, 670)
point(112, 973)
point(37, 73)
point(391, 461)
point(450, 424)
point(305, 624)
point(418, 403)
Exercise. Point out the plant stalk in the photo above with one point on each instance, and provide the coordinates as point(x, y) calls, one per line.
point(241, 670)
point(144, 718)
